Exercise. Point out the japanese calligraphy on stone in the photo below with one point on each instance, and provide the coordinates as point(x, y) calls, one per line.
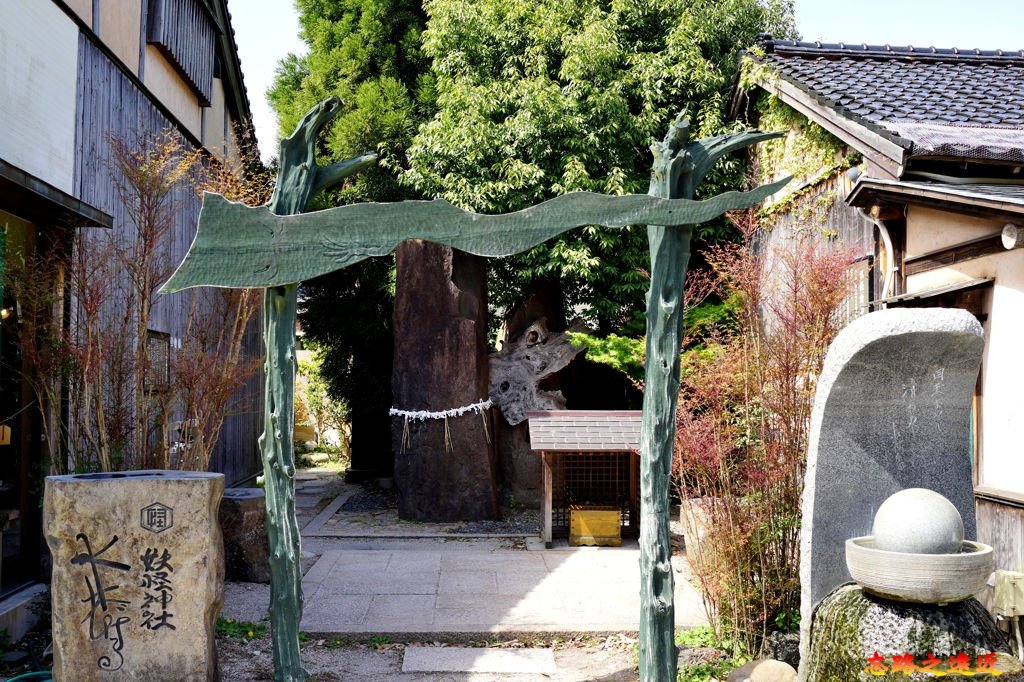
point(108, 615)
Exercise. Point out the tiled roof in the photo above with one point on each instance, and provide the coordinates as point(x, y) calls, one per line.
point(584, 431)
point(933, 102)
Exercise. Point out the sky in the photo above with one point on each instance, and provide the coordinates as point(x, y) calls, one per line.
point(267, 30)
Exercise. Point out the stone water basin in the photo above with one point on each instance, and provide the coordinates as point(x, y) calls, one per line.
point(919, 578)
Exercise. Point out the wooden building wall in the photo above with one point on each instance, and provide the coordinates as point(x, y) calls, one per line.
point(110, 105)
point(822, 209)
point(1001, 525)
point(821, 212)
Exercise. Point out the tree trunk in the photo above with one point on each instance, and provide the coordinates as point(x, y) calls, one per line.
point(444, 468)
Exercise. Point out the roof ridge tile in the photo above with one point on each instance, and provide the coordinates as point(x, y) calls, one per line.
point(865, 51)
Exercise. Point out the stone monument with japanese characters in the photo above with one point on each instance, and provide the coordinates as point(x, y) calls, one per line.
point(138, 575)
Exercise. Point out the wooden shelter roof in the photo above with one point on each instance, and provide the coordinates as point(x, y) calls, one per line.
point(585, 431)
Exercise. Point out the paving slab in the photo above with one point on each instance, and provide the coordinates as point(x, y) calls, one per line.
point(470, 660)
point(378, 575)
point(465, 591)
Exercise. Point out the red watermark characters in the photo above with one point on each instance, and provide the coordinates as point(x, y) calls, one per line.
point(960, 664)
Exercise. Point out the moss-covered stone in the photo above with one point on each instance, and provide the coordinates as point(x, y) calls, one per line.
point(849, 627)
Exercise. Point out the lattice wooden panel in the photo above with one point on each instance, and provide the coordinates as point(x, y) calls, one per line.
point(594, 478)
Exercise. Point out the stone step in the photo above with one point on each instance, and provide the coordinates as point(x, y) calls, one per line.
point(432, 659)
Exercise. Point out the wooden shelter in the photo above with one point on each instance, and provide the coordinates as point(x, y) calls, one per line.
point(589, 458)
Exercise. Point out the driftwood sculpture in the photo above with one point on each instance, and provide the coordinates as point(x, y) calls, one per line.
point(238, 246)
point(522, 364)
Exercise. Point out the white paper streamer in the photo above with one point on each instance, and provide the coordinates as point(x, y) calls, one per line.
point(423, 415)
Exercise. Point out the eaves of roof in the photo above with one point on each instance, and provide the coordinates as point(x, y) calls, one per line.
point(235, 91)
point(975, 199)
point(876, 143)
point(43, 203)
point(936, 292)
point(585, 430)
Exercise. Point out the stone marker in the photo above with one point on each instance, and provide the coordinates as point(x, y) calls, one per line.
point(243, 520)
point(138, 575)
point(892, 411)
point(765, 670)
point(857, 637)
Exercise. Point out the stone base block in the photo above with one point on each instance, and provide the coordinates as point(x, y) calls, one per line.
point(243, 519)
point(862, 638)
point(138, 575)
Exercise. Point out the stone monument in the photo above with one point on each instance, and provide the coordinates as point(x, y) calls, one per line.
point(138, 575)
point(892, 412)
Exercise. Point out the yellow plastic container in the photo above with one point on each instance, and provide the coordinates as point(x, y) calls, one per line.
point(590, 525)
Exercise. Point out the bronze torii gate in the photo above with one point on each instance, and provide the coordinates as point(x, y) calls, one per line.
point(271, 248)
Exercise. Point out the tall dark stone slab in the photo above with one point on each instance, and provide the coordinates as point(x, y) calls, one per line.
point(440, 363)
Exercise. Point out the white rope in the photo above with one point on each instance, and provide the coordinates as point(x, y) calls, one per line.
point(423, 415)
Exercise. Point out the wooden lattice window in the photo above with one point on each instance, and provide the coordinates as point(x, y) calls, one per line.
point(607, 479)
point(158, 358)
point(185, 33)
point(859, 291)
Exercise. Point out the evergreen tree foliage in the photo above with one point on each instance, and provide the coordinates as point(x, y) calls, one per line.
point(550, 96)
point(368, 53)
point(495, 106)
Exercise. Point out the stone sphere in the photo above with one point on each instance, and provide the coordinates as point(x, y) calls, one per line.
point(918, 521)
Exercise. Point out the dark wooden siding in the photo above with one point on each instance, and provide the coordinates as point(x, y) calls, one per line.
point(822, 211)
point(110, 105)
point(184, 32)
point(1002, 526)
point(237, 452)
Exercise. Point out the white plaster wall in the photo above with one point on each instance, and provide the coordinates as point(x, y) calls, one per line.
point(1002, 447)
point(165, 83)
point(930, 230)
point(213, 121)
point(38, 73)
point(1002, 458)
point(83, 8)
point(234, 155)
point(120, 28)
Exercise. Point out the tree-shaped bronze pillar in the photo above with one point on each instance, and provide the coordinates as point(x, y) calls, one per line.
point(299, 179)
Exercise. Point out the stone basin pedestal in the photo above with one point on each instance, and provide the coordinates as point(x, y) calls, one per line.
point(138, 575)
point(858, 637)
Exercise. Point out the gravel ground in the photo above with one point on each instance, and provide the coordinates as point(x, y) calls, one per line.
point(371, 500)
point(526, 522)
point(593, 660)
point(518, 522)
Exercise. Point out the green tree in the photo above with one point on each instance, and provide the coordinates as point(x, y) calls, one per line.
point(325, 412)
point(541, 98)
point(367, 52)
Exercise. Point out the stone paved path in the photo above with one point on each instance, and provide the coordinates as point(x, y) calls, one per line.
point(456, 591)
point(370, 574)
